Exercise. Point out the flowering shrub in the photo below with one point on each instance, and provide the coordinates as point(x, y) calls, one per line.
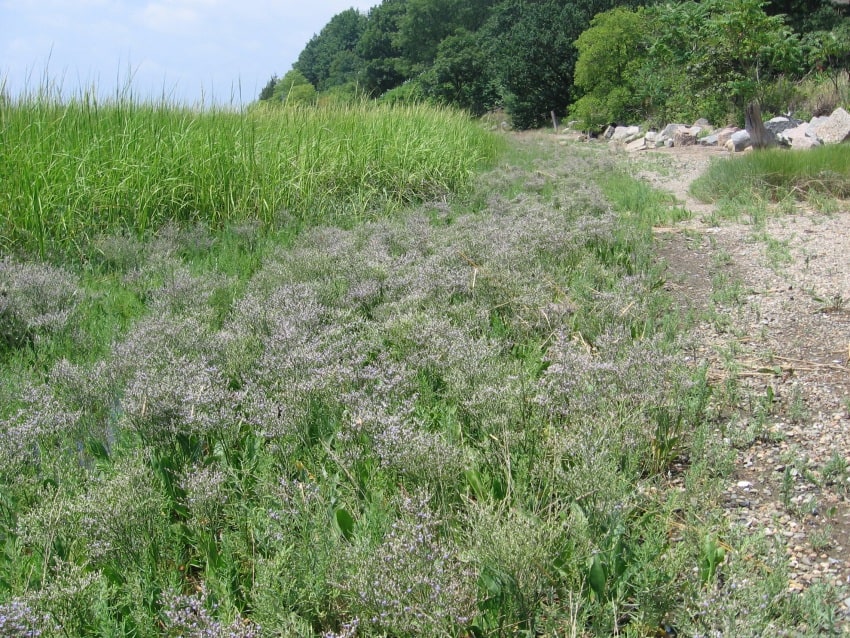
point(414, 581)
point(36, 300)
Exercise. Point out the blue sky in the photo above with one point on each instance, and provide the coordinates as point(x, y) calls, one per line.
point(192, 50)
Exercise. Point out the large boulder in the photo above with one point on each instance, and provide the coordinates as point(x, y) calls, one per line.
point(639, 144)
point(835, 129)
point(724, 134)
point(625, 133)
point(670, 129)
point(738, 141)
point(778, 125)
point(686, 135)
point(799, 137)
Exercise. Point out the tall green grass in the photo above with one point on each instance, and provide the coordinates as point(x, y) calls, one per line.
point(75, 169)
point(777, 173)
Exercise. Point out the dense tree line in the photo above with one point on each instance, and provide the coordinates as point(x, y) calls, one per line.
point(597, 60)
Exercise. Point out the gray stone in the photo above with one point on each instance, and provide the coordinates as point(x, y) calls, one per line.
point(836, 128)
point(622, 133)
point(608, 133)
point(703, 123)
point(725, 133)
point(710, 140)
point(777, 125)
point(637, 145)
point(800, 137)
point(738, 141)
point(670, 130)
point(686, 135)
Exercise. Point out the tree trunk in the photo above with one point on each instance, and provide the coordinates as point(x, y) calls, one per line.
point(760, 137)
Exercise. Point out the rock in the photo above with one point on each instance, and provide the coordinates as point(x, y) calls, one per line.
point(800, 137)
point(686, 135)
point(710, 140)
point(835, 129)
point(608, 133)
point(703, 123)
point(725, 133)
point(670, 130)
point(637, 145)
point(622, 133)
point(665, 137)
point(738, 141)
point(817, 121)
point(778, 125)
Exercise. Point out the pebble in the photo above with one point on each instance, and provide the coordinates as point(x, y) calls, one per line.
point(780, 479)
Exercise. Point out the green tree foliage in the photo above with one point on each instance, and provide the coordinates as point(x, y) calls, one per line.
point(461, 74)
point(426, 23)
point(676, 60)
point(808, 15)
point(268, 90)
point(329, 58)
point(610, 53)
point(829, 51)
point(682, 61)
point(382, 59)
point(717, 55)
point(533, 61)
point(531, 44)
point(294, 88)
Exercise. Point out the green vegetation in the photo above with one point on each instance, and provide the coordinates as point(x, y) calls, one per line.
point(602, 61)
point(774, 174)
point(684, 61)
point(469, 414)
point(74, 171)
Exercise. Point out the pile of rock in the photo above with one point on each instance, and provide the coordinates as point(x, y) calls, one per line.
point(787, 132)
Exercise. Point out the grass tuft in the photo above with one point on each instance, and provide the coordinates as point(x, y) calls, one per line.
point(816, 173)
point(75, 170)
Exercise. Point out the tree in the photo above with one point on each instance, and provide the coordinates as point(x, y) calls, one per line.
point(426, 23)
point(829, 51)
point(382, 63)
point(460, 75)
point(807, 15)
point(320, 60)
point(268, 90)
point(294, 88)
point(609, 54)
point(730, 51)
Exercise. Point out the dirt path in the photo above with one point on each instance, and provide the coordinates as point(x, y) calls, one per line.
point(774, 300)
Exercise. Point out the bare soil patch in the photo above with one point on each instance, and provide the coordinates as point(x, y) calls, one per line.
point(779, 349)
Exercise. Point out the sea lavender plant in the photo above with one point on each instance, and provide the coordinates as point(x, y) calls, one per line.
point(415, 581)
point(406, 446)
point(581, 380)
point(36, 299)
point(35, 432)
point(177, 396)
point(193, 616)
point(205, 489)
point(19, 620)
point(183, 293)
point(122, 518)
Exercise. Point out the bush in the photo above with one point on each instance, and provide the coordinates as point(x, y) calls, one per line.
point(35, 300)
point(609, 54)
